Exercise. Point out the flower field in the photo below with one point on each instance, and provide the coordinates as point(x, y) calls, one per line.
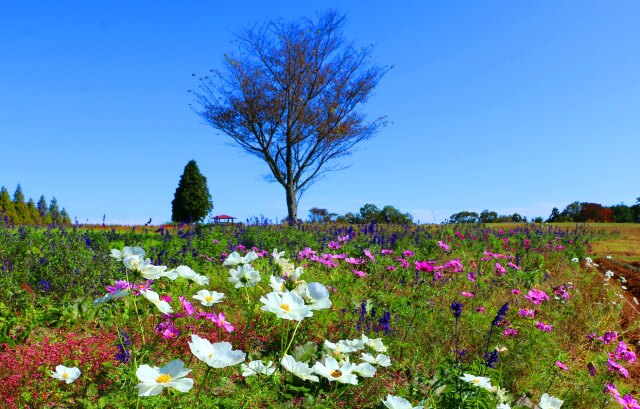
point(314, 316)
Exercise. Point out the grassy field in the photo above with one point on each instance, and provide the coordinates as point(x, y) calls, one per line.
point(519, 307)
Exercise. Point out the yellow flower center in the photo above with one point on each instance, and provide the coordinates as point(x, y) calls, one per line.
point(164, 378)
point(208, 298)
point(476, 380)
point(65, 375)
point(285, 307)
point(336, 373)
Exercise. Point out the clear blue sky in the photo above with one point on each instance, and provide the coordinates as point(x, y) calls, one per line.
point(504, 105)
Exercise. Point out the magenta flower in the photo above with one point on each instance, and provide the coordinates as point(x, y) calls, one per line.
point(562, 292)
point(543, 326)
point(167, 329)
point(472, 277)
point(359, 273)
point(186, 305)
point(408, 253)
point(627, 402)
point(466, 294)
point(403, 263)
point(386, 251)
point(136, 288)
point(562, 366)
point(391, 268)
point(480, 309)
point(438, 276)
point(443, 246)
point(333, 245)
point(536, 296)
point(500, 270)
point(608, 337)
point(220, 320)
point(423, 266)
point(611, 388)
point(118, 285)
point(616, 367)
point(343, 239)
point(455, 265)
point(166, 297)
point(216, 241)
point(369, 255)
point(516, 291)
point(352, 260)
point(623, 353)
point(510, 332)
point(527, 313)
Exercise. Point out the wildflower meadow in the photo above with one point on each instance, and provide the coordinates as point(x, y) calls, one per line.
point(312, 316)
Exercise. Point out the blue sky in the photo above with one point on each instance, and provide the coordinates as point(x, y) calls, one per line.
point(501, 105)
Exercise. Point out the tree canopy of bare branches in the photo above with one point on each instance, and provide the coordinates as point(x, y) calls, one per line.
point(292, 97)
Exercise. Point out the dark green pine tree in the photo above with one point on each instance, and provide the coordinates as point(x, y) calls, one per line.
point(5, 199)
point(54, 211)
point(18, 196)
point(192, 201)
point(42, 206)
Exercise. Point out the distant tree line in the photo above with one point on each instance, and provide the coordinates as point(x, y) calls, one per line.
point(16, 211)
point(369, 213)
point(577, 212)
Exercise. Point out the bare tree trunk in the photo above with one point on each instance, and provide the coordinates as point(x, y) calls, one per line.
point(292, 204)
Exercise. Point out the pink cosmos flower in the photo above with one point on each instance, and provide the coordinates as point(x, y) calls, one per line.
point(333, 245)
point(186, 305)
point(408, 253)
point(367, 253)
point(423, 266)
point(608, 337)
point(500, 270)
point(352, 260)
point(543, 326)
point(513, 266)
point(455, 265)
point(220, 320)
point(117, 286)
point(516, 291)
point(443, 246)
point(438, 276)
point(391, 268)
point(562, 292)
point(403, 263)
point(627, 402)
point(472, 277)
point(562, 366)
point(166, 297)
point(536, 296)
point(510, 332)
point(136, 288)
point(359, 273)
point(343, 239)
point(611, 388)
point(167, 329)
point(527, 313)
point(466, 294)
point(616, 367)
point(480, 309)
point(623, 353)
point(386, 251)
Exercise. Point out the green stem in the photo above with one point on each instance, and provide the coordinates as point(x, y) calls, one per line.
point(204, 379)
point(292, 337)
point(135, 307)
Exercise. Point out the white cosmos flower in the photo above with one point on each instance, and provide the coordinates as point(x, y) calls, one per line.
point(550, 402)
point(208, 298)
point(396, 402)
point(375, 344)
point(189, 274)
point(244, 276)
point(575, 259)
point(153, 296)
point(135, 262)
point(127, 251)
point(154, 379)
point(234, 258)
point(333, 371)
point(503, 406)
point(151, 272)
point(299, 369)
point(277, 284)
point(352, 345)
point(479, 381)
point(288, 306)
point(338, 350)
point(380, 359)
point(218, 355)
point(257, 368)
point(365, 370)
point(66, 374)
point(315, 295)
point(283, 263)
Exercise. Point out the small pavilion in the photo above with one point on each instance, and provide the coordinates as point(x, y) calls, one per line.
point(223, 218)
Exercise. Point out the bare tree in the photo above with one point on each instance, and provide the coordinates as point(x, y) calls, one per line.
point(292, 97)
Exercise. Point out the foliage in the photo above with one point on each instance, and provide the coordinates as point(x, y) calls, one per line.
point(191, 201)
point(292, 98)
point(408, 279)
point(18, 212)
point(369, 213)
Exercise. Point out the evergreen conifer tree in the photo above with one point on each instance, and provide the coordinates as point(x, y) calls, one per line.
point(54, 211)
point(5, 199)
point(192, 201)
point(18, 196)
point(42, 206)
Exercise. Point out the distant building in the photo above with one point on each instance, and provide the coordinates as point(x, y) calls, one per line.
point(223, 218)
